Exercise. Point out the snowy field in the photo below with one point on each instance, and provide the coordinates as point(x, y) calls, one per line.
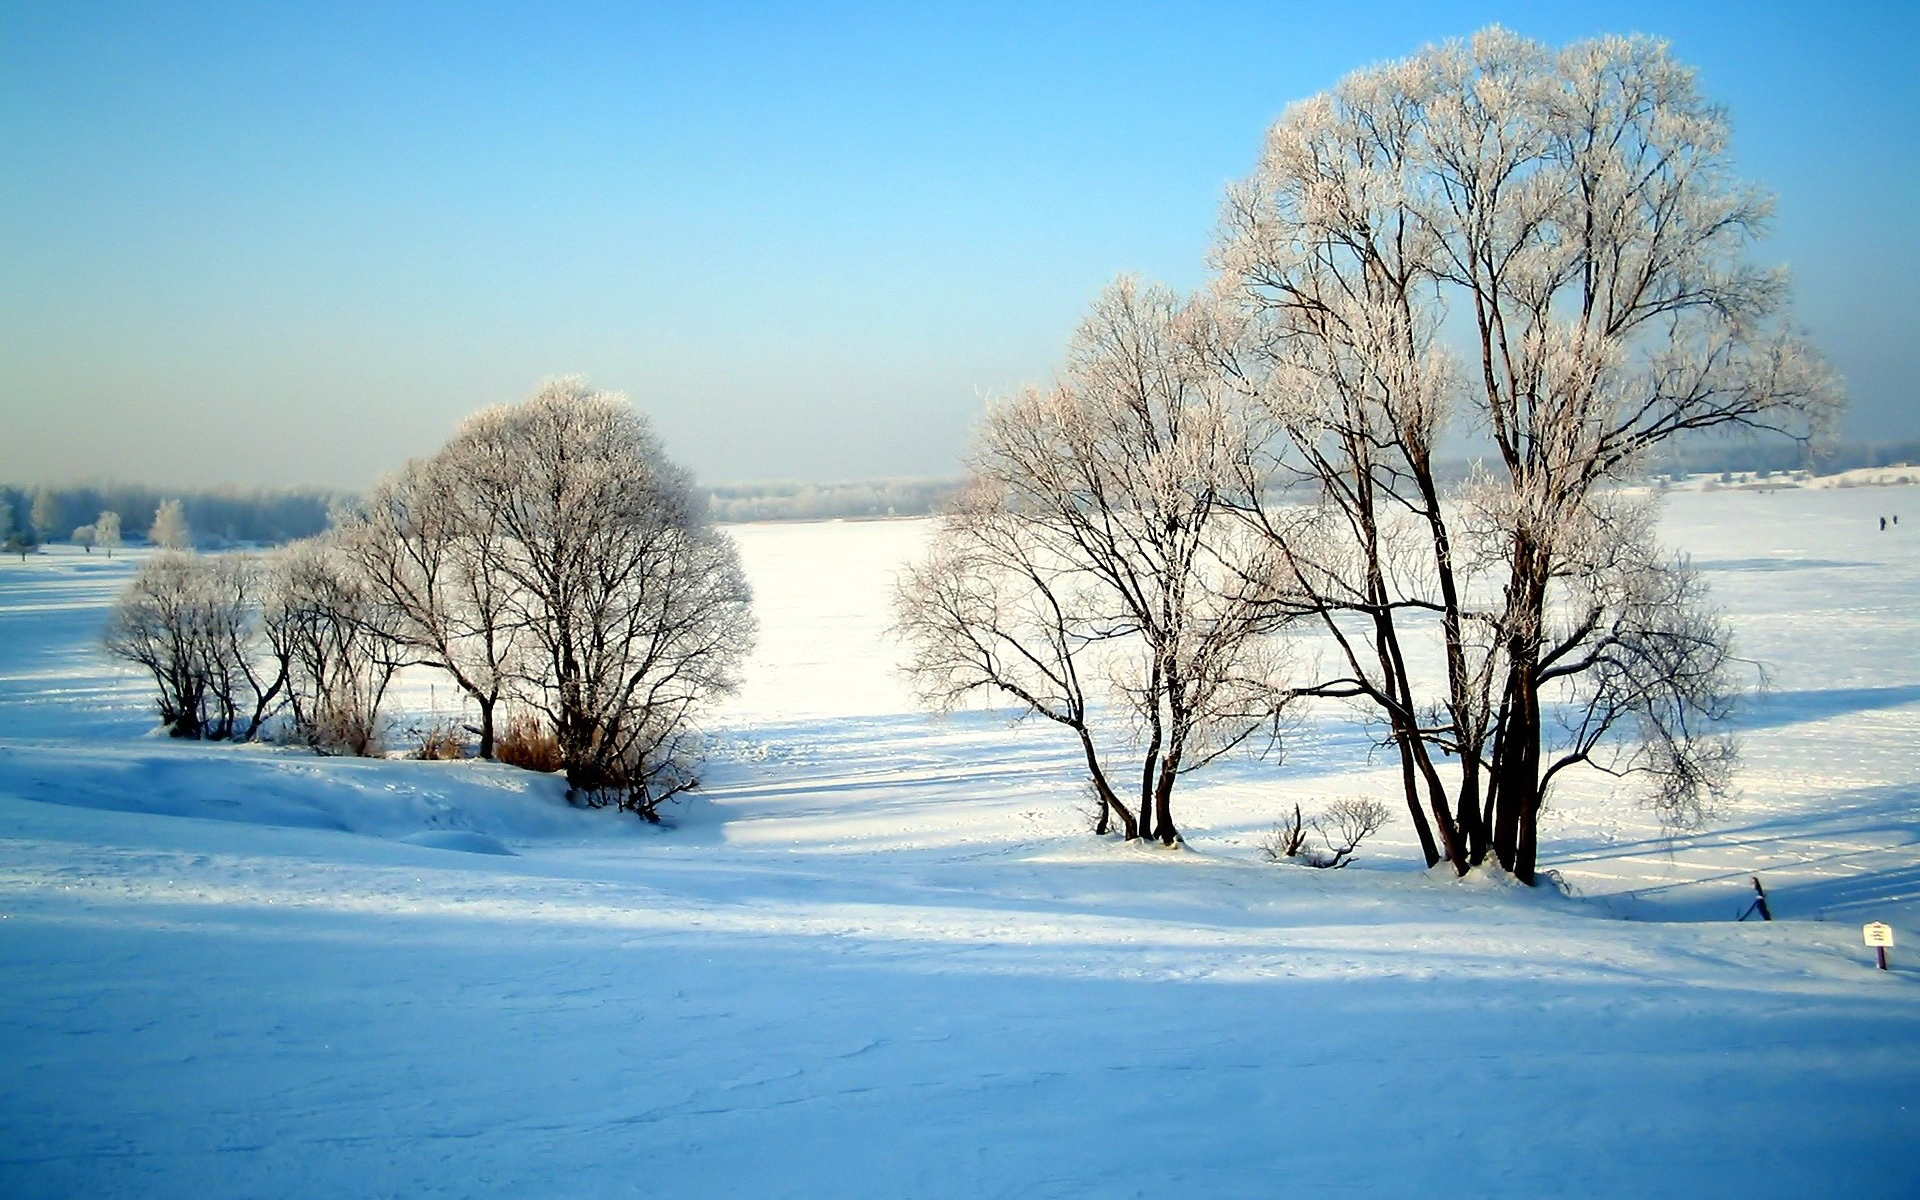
point(879, 958)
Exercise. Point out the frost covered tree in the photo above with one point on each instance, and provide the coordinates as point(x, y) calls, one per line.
point(631, 608)
point(83, 536)
point(45, 514)
point(433, 556)
point(169, 529)
point(196, 625)
point(1574, 215)
point(11, 539)
point(106, 532)
point(1090, 572)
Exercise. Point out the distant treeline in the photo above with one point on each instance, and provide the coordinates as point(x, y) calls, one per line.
point(216, 516)
point(919, 497)
point(827, 501)
point(1712, 458)
point(260, 516)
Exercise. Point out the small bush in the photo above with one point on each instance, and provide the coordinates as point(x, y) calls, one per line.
point(440, 742)
point(339, 730)
point(526, 742)
point(1346, 824)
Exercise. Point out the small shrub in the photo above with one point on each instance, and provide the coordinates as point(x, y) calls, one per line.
point(1287, 840)
point(526, 742)
point(1340, 830)
point(339, 730)
point(1346, 824)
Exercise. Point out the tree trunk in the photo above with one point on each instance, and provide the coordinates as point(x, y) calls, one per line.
point(1527, 851)
point(1467, 818)
point(1516, 768)
point(1149, 826)
point(1509, 789)
point(1410, 783)
point(1518, 778)
point(486, 724)
point(1163, 809)
point(1109, 803)
point(1417, 768)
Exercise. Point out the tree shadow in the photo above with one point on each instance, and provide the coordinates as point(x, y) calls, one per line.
point(1778, 564)
point(1852, 855)
point(1774, 710)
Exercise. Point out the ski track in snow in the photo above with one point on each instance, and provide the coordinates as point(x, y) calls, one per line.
point(878, 956)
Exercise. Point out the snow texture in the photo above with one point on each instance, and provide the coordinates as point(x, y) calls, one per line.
point(878, 956)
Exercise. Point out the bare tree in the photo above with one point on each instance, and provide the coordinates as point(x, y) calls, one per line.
point(341, 655)
point(633, 609)
point(169, 529)
point(250, 661)
point(157, 624)
point(992, 608)
point(1090, 573)
point(433, 557)
point(195, 624)
point(1579, 207)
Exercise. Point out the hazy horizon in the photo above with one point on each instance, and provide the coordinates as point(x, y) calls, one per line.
point(295, 246)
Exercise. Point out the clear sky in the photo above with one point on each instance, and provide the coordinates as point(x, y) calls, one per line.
point(288, 243)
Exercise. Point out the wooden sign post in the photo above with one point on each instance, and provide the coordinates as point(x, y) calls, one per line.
point(1879, 937)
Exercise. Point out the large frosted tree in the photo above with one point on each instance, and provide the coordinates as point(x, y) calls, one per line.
point(106, 532)
point(631, 611)
point(1545, 250)
point(46, 513)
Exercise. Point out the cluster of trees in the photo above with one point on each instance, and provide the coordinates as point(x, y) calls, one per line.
point(549, 559)
point(103, 531)
point(169, 530)
point(1540, 250)
point(19, 539)
point(233, 640)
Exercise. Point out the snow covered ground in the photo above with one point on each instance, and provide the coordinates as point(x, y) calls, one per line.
point(879, 958)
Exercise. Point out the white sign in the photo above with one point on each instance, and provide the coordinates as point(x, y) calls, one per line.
point(1876, 934)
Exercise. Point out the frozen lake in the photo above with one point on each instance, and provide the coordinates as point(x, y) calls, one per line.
point(879, 957)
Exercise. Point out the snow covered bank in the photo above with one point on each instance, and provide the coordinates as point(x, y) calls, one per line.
point(879, 958)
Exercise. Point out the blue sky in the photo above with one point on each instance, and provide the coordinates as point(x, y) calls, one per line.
point(295, 244)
